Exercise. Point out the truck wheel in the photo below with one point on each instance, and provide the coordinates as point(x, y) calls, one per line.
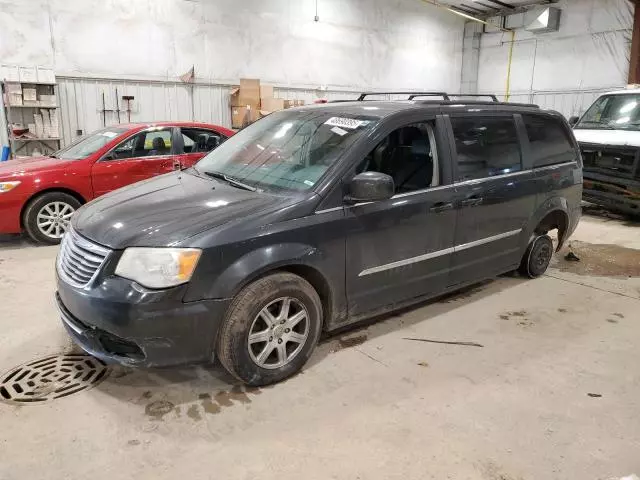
point(46, 218)
point(537, 257)
point(270, 330)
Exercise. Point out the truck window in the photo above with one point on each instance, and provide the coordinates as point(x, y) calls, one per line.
point(548, 140)
point(486, 146)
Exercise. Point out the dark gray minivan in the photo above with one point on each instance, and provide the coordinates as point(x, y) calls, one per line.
point(311, 219)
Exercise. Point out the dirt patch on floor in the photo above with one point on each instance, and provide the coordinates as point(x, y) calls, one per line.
point(599, 260)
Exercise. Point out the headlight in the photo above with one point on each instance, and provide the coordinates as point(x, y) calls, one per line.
point(6, 186)
point(158, 267)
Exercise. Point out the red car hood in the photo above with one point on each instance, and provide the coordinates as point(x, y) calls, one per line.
point(31, 165)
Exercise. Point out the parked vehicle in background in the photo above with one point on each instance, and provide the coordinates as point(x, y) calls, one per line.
point(609, 137)
point(38, 195)
point(311, 219)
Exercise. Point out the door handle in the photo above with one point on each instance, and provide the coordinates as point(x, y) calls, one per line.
point(471, 201)
point(441, 207)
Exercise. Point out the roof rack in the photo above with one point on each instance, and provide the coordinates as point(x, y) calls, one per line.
point(412, 94)
point(430, 94)
point(476, 95)
point(444, 95)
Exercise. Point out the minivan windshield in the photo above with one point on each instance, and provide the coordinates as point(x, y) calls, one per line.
point(85, 146)
point(613, 112)
point(287, 150)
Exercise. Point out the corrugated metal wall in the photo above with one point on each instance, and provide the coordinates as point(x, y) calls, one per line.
point(81, 102)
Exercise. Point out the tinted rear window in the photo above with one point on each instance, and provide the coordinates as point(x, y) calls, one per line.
point(486, 146)
point(549, 141)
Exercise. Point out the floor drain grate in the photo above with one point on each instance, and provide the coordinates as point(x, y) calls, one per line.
point(51, 377)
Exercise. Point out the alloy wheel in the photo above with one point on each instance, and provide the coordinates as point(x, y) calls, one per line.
point(53, 219)
point(278, 333)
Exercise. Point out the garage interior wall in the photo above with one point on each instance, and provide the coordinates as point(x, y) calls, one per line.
point(142, 48)
point(564, 70)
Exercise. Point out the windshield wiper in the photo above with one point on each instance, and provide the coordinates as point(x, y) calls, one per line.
point(231, 181)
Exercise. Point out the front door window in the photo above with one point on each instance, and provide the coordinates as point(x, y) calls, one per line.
point(150, 143)
point(407, 155)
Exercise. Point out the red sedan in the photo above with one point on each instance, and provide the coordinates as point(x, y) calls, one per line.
point(39, 195)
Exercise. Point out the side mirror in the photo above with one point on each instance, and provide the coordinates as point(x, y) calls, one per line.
point(108, 156)
point(370, 187)
point(573, 120)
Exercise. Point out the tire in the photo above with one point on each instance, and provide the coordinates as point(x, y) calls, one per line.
point(53, 207)
point(537, 257)
point(246, 315)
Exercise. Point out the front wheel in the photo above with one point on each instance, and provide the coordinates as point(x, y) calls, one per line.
point(270, 330)
point(537, 257)
point(46, 218)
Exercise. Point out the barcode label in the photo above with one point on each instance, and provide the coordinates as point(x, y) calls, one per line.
point(350, 123)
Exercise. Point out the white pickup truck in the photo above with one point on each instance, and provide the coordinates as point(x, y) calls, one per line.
point(609, 137)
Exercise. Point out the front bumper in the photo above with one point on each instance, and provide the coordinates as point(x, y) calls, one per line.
point(10, 209)
point(615, 193)
point(120, 322)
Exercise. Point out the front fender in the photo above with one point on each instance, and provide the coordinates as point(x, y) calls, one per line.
point(257, 262)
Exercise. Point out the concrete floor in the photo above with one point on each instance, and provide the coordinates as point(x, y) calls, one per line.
point(370, 404)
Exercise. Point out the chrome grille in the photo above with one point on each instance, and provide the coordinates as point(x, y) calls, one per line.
point(79, 260)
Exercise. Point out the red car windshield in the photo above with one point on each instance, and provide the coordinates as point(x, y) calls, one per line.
point(89, 144)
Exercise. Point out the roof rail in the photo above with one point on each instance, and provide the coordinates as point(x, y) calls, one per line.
point(444, 96)
point(476, 95)
point(425, 94)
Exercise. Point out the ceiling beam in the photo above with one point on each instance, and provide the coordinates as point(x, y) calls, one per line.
point(502, 4)
point(473, 9)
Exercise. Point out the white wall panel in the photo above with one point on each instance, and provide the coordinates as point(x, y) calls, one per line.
point(356, 43)
point(564, 70)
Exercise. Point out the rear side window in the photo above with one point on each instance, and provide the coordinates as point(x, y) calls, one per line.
point(549, 141)
point(486, 146)
point(197, 140)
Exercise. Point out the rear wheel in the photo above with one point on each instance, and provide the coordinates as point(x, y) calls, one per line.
point(46, 218)
point(537, 257)
point(270, 330)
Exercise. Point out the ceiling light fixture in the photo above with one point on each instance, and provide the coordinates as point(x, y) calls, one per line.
point(316, 18)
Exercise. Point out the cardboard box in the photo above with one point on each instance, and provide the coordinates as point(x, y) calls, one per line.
point(243, 116)
point(29, 94)
point(266, 91)
point(45, 75)
point(9, 73)
point(271, 104)
point(13, 88)
point(48, 100)
point(247, 94)
point(27, 74)
point(289, 103)
point(15, 99)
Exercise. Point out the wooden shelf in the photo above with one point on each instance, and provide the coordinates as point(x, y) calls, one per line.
point(31, 83)
point(33, 106)
point(39, 139)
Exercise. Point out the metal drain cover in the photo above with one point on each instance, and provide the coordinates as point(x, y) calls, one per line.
point(51, 377)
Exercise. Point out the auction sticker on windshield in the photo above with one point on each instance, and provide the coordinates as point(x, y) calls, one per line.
point(343, 122)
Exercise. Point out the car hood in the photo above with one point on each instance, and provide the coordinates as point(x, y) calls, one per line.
point(622, 138)
point(31, 165)
point(166, 210)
